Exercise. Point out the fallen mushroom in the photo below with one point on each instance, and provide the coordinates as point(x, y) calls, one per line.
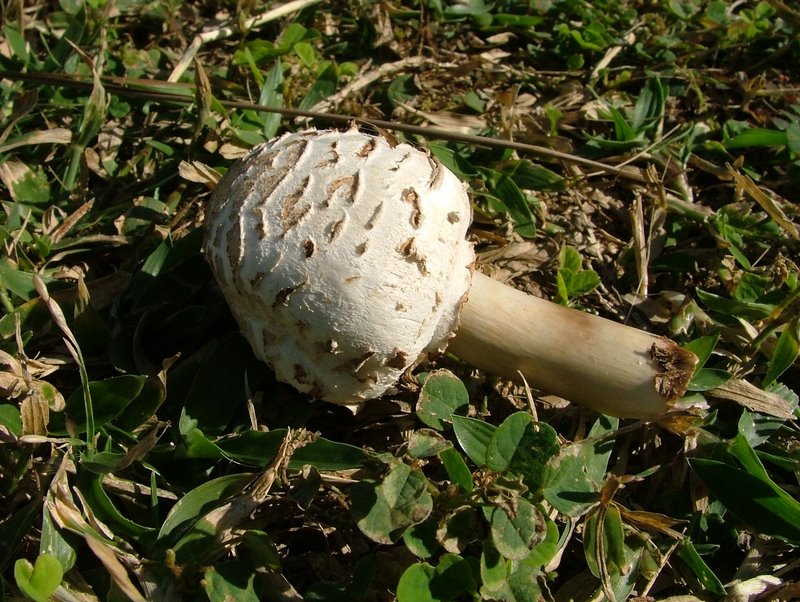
point(343, 258)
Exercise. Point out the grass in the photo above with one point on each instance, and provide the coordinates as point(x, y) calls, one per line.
point(147, 455)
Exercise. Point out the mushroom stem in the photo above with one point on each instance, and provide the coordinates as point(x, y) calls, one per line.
point(607, 366)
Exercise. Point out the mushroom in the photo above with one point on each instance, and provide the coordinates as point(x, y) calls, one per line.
point(343, 258)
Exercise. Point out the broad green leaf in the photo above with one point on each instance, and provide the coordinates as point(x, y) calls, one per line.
point(14, 527)
point(708, 580)
point(530, 176)
point(451, 578)
point(109, 398)
point(460, 528)
point(16, 41)
point(258, 448)
point(569, 259)
point(38, 581)
point(218, 388)
point(544, 551)
point(649, 107)
point(729, 307)
point(33, 187)
point(415, 584)
point(53, 541)
point(602, 540)
point(384, 511)
point(494, 568)
point(11, 419)
point(442, 395)
point(514, 536)
point(708, 378)
point(103, 506)
point(522, 447)
point(757, 137)
point(786, 352)
point(272, 96)
point(456, 468)
point(505, 191)
point(454, 160)
point(231, 580)
point(17, 281)
point(327, 81)
point(757, 502)
point(425, 443)
point(145, 405)
point(702, 347)
point(473, 436)
point(199, 502)
point(421, 540)
point(576, 475)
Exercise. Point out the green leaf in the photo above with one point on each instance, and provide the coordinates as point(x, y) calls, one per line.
point(451, 578)
point(17, 43)
point(787, 350)
point(571, 279)
point(522, 447)
point(109, 398)
point(218, 388)
point(14, 527)
point(442, 395)
point(102, 505)
point(231, 580)
point(53, 541)
point(425, 443)
point(460, 528)
point(473, 436)
point(384, 511)
point(38, 581)
point(272, 96)
point(702, 347)
point(757, 137)
point(197, 503)
point(11, 419)
point(569, 259)
point(505, 191)
point(258, 448)
point(576, 475)
point(708, 580)
point(529, 176)
point(421, 539)
point(456, 468)
point(708, 378)
point(757, 502)
point(494, 568)
point(326, 84)
point(729, 307)
point(649, 107)
point(515, 535)
point(543, 552)
point(33, 187)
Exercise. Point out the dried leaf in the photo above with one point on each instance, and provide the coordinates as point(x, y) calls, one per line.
point(12, 172)
point(35, 414)
point(54, 136)
point(232, 152)
point(195, 171)
point(769, 202)
point(116, 570)
point(753, 398)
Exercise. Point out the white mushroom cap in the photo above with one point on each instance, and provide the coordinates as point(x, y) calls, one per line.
point(342, 256)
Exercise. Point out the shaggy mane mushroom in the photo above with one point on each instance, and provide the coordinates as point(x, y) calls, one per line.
point(343, 258)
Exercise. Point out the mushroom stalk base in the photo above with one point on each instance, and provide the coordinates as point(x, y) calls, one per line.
point(609, 367)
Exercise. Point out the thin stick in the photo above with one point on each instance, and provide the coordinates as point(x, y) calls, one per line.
point(229, 31)
point(183, 94)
